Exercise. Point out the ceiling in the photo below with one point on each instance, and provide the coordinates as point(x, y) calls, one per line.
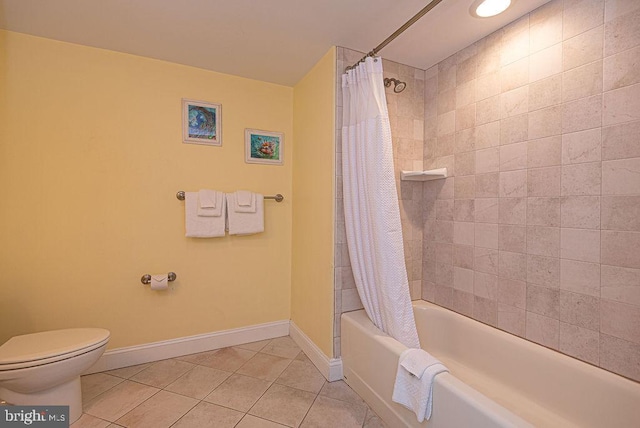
point(275, 41)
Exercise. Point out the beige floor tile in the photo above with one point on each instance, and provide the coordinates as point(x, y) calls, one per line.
point(253, 422)
point(198, 382)
point(254, 346)
point(327, 412)
point(284, 405)
point(373, 421)
point(119, 400)
point(303, 376)
point(303, 357)
point(339, 390)
point(201, 358)
point(264, 366)
point(162, 373)
point(161, 410)
point(229, 359)
point(97, 383)
point(238, 392)
point(127, 372)
point(88, 421)
point(209, 415)
point(282, 347)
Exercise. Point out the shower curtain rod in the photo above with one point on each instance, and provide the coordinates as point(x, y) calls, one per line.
point(399, 31)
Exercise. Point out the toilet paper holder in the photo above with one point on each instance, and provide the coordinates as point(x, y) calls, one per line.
point(146, 279)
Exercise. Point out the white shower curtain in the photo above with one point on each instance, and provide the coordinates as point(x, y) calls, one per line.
point(372, 215)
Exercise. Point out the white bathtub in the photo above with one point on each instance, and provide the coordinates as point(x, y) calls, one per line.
point(495, 380)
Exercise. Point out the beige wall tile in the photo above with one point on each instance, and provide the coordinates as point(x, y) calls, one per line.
point(463, 256)
point(580, 309)
point(581, 15)
point(544, 152)
point(464, 210)
point(512, 292)
point(545, 122)
point(621, 284)
point(621, 141)
point(466, 70)
point(465, 187)
point(616, 8)
point(487, 160)
point(486, 210)
point(542, 330)
point(444, 296)
point(543, 241)
point(581, 179)
point(488, 110)
point(485, 285)
point(444, 231)
point(580, 277)
point(582, 81)
point(512, 211)
point(545, 25)
point(466, 94)
point(515, 41)
point(583, 48)
point(543, 212)
point(621, 105)
point(621, 177)
point(444, 253)
point(512, 265)
point(514, 129)
point(486, 260)
point(512, 238)
point(543, 271)
point(465, 140)
point(544, 181)
point(446, 124)
point(465, 163)
point(351, 300)
point(620, 320)
point(513, 184)
point(622, 69)
point(485, 310)
point(511, 319)
point(514, 75)
point(620, 356)
point(546, 62)
point(543, 301)
point(620, 249)
point(487, 185)
point(446, 76)
point(463, 233)
point(545, 93)
point(621, 213)
point(580, 343)
point(444, 209)
point(445, 145)
point(582, 212)
point(488, 135)
point(585, 113)
point(622, 33)
point(513, 156)
point(486, 235)
point(447, 189)
point(466, 117)
point(462, 302)
point(487, 85)
point(514, 102)
point(580, 244)
point(583, 146)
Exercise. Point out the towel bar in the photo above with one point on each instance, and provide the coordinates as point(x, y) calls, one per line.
point(146, 279)
point(278, 197)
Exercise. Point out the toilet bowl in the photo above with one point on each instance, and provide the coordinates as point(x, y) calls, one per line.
point(44, 368)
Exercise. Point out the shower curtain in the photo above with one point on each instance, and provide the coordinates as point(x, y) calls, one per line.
point(372, 215)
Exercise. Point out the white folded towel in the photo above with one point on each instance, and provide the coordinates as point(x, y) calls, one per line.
point(243, 222)
point(210, 203)
point(416, 373)
point(198, 226)
point(245, 202)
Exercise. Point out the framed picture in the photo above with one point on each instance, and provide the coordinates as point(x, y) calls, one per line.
point(263, 146)
point(201, 123)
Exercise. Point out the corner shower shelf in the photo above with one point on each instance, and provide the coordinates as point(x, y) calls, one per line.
point(432, 174)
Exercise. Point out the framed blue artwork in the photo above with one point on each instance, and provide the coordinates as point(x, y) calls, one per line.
point(201, 123)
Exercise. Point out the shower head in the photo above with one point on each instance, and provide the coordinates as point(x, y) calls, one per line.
point(398, 86)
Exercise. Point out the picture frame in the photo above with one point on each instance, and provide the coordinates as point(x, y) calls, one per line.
point(201, 122)
point(264, 147)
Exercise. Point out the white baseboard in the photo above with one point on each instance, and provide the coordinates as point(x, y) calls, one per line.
point(331, 368)
point(146, 353)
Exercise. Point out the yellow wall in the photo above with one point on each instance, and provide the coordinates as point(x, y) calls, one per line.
point(313, 206)
point(91, 157)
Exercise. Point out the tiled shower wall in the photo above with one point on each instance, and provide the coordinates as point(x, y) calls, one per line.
point(406, 115)
point(537, 231)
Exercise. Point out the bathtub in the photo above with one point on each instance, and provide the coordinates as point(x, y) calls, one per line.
point(495, 380)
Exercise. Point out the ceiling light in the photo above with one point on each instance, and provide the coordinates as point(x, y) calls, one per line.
point(487, 8)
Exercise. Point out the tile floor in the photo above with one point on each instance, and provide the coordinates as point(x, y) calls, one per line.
point(264, 384)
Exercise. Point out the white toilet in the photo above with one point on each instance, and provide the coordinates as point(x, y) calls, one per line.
point(45, 368)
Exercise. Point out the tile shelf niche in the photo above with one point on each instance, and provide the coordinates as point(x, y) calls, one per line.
point(431, 174)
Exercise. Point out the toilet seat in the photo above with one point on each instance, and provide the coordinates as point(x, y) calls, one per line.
point(36, 349)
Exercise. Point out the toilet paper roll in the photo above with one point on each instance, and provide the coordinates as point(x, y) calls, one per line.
point(159, 282)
